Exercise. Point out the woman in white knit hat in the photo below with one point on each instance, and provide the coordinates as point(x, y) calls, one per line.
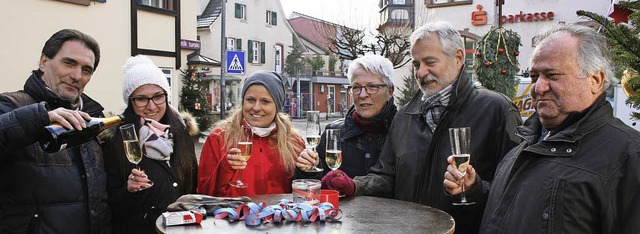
point(169, 166)
point(276, 144)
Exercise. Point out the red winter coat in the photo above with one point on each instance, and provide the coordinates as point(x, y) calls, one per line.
point(265, 172)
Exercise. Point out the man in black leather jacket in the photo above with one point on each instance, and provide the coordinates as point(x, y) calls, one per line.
point(577, 169)
point(414, 157)
point(62, 192)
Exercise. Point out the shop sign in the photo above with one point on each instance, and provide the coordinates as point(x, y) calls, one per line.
point(479, 17)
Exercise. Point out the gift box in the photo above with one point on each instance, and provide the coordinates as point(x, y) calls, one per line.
point(180, 218)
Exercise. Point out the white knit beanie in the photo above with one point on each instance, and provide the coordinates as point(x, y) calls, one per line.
point(139, 71)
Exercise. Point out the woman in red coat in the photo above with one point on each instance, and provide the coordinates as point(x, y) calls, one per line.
point(276, 144)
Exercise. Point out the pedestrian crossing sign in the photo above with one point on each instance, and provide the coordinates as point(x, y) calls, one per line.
point(235, 62)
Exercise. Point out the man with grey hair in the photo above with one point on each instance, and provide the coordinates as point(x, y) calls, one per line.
point(364, 128)
point(414, 157)
point(576, 170)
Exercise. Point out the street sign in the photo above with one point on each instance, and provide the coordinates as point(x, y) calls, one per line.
point(235, 62)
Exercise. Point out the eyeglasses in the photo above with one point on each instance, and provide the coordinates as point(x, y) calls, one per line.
point(370, 89)
point(144, 101)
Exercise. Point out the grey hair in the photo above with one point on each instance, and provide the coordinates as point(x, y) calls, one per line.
point(450, 39)
point(593, 55)
point(375, 64)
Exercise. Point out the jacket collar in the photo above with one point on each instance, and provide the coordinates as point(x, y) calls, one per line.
point(384, 118)
point(597, 116)
point(36, 88)
point(462, 87)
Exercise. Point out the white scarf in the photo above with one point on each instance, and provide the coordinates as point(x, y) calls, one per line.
point(264, 132)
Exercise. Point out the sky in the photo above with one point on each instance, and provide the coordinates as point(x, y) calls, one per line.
point(358, 14)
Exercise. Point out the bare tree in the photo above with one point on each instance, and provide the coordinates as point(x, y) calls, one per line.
point(350, 43)
point(393, 43)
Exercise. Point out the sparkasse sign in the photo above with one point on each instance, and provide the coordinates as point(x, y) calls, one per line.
point(527, 17)
point(479, 17)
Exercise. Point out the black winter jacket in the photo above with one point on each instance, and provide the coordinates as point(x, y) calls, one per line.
point(137, 212)
point(62, 192)
point(360, 150)
point(583, 179)
point(413, 161)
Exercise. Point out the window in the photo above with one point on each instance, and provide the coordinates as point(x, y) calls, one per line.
point(398, 2)
point(399, 14)
point(241, 11)
point(272, 18)
point(439, 3)
point(256, 52)
point(234, 44)
point(167, 73)
point(163, 4)
point(231, 43)
point(470, 45)
point(279, 58)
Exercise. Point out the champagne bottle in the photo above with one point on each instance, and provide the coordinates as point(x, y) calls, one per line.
point(57, 138)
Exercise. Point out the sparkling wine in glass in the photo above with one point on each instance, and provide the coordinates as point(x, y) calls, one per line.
point(313, 134)
point(245, 145)
point(132, 148)
point(333, 156)
point(460, 139)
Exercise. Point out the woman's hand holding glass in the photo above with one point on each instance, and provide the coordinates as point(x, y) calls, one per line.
point(236, 161)
point(138, 181)
point(307, 160)
point(240, 154)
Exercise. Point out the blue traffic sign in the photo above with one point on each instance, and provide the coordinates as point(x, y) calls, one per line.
point(235, 62)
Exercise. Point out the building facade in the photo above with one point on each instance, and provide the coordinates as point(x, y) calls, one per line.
point(157, 28)
point(259, 29)
point(474, 18)
point(322, 88)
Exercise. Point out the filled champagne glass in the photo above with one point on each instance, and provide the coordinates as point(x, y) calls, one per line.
point(460, 139)
point(132, 147)
point(333, 153)
point(313, 134)
point(245, 144)
point(333, 150)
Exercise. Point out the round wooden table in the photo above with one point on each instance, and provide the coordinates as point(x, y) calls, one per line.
point(361, 214)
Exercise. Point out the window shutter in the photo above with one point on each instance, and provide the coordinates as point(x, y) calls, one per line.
point(250, 49)
point(262, 48)
point(238, 44)
point(238, 11)
point(274, 18)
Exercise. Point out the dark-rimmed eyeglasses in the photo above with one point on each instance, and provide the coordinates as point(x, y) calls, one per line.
point(370, 89)
point(142, 101)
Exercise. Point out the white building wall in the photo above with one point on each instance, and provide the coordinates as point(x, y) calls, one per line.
point(253, 28)
point(27, 24)
point(460, 17)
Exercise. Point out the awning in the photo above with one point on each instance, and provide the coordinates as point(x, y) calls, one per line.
point(196, 58)
point(330, 80)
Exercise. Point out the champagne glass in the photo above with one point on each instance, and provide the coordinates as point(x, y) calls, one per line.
point(245, 144)
point(333, 151)
point(460, 139)
point(132, 147)
point(313, 134)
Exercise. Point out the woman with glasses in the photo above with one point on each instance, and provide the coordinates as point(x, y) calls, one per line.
point(364, 128)
point(168, 168)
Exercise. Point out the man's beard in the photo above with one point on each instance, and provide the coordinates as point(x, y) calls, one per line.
point(422, 84)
